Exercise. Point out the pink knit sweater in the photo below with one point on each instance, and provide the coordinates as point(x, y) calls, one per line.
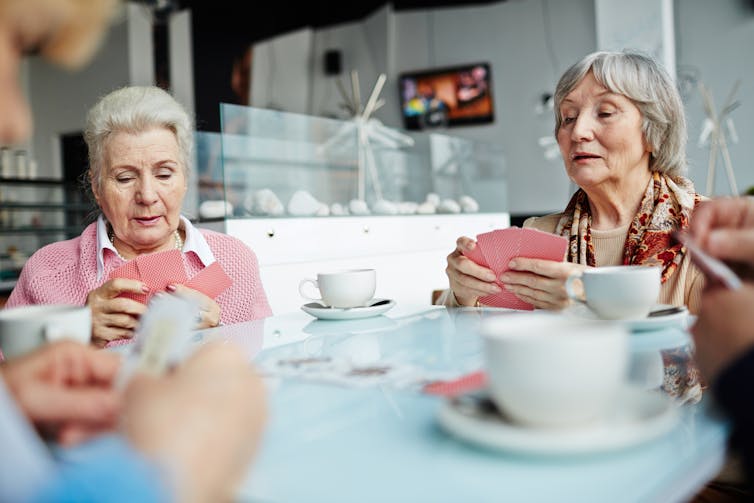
point(66, 271)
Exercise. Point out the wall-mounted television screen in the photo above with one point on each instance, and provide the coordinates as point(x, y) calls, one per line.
point(447, 96)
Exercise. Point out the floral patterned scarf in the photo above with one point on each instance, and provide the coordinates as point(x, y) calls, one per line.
point(667, 205)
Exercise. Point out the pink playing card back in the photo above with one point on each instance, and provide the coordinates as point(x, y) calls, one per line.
point(211, 281)
point(129, 270)
point(158, 270)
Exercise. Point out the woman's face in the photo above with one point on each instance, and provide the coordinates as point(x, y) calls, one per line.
point(141, 189)
point(600, 136)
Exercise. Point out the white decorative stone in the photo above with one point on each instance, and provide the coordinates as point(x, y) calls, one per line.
point(407, 207)
point(215, 209)
point(448, 206)
point(337, 209)
point(303, 204)
point(266, 202)
point(323, 211)
point(358, 207)
point(384, 207)
point(426, 208)
point(433, 198)
point(468, 204)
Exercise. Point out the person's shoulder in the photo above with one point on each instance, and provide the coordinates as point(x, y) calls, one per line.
point(546, 223)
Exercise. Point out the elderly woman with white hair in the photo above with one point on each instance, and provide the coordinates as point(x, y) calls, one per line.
point(140, 143)
point(619, 122)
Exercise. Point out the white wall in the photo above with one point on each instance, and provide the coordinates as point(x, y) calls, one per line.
point(511, 35)
point(713, 45)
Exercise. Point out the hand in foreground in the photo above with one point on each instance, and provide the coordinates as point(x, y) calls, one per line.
point(724, 328)
point(540, 282)
point(469, 280)
point(202, 422)
point(64, 388)
point(725, 228)
point(209, 310)
point(115, 317)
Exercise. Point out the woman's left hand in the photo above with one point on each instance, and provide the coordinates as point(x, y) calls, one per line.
point(209, 311)
point(540, 282)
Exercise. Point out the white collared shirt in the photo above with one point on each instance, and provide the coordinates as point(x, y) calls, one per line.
point(194, 242)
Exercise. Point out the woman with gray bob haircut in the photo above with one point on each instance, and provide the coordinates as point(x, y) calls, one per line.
point(620, 125)
point(140, 145)
point(650, 88)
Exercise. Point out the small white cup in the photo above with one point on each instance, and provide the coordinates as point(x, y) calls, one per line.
point(552, 371)
point(25, 328)
point(618, 292)
point(349, 288)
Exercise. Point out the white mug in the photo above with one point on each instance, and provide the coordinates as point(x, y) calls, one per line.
point(550, 370)
point(348, 288)
point(618, 292)
point(25, 328)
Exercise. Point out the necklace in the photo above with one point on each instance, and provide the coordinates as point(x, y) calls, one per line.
point(111, 237)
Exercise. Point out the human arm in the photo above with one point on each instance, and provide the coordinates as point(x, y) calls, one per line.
point(468, 280)
point(115, 317)
point(724, 328)
point(64, 389)
point(201, 423)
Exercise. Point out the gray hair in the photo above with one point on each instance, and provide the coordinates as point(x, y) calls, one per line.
point(134, 110)
point(648, 85)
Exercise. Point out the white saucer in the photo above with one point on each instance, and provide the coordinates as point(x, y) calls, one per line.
point(638, 416)
point(351, 313)
point(678, 319)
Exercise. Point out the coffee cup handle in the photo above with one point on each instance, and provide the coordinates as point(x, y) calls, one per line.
point(301, 289)
point(571, 291)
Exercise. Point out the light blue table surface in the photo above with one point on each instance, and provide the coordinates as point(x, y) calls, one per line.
point(380, 440)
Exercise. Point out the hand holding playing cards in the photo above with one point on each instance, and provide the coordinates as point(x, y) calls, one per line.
point(724, 228)
point(469, 280)
point(540, 282)
point(202, 422)
point(64, 389)
point(115, 316)
point(484, 271)
point(208, 315)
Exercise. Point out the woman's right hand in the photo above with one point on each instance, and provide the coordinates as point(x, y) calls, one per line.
point(115, 317)
point(469, 280)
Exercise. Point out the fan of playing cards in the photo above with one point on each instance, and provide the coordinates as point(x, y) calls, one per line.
point(494, 250)
point(158, 270)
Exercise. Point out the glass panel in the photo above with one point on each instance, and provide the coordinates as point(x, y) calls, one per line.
point(277, 164)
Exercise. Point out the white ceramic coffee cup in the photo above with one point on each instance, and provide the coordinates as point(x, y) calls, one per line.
point(618, 292)
point(347, 288)
point(550, 370)
point(25, 328)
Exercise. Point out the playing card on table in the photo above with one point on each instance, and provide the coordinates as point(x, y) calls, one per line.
point(211, 281)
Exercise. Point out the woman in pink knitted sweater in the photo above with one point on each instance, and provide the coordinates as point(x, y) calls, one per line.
point(140, 142)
